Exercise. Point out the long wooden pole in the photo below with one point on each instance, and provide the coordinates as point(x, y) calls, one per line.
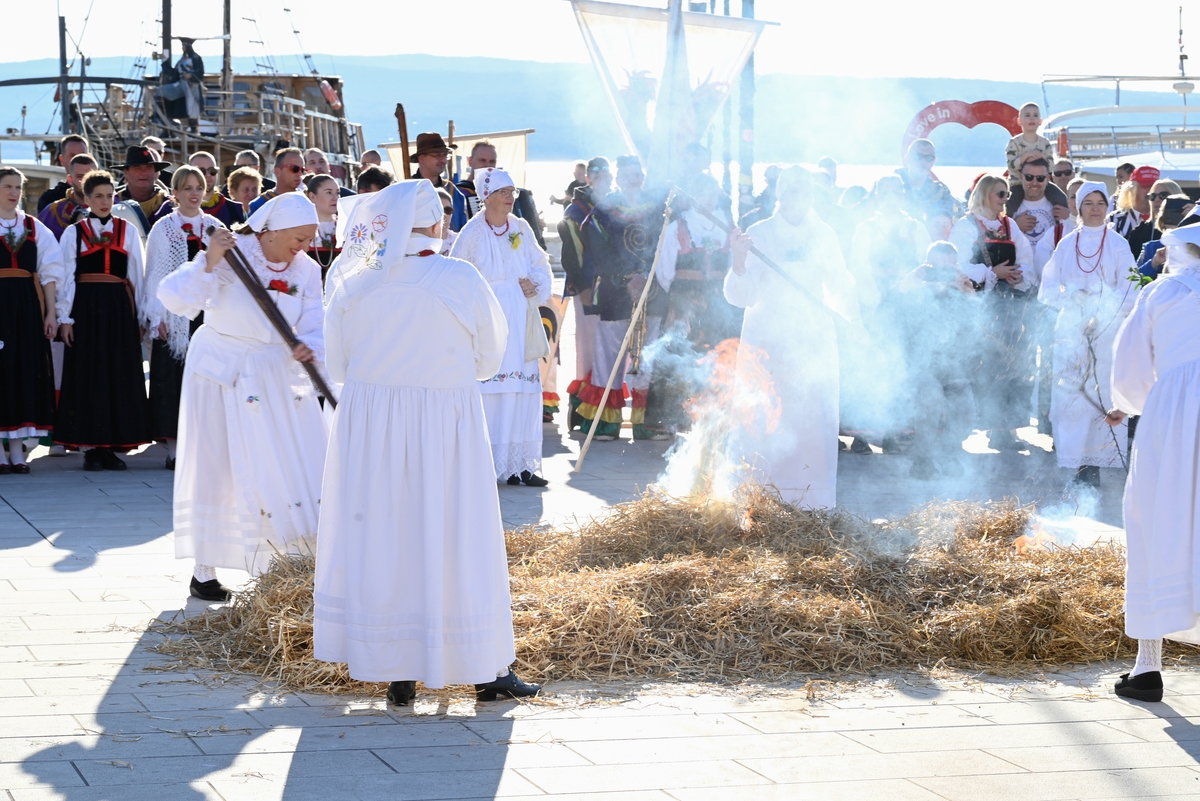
point(633, 321)
point(242, 270)
point(763, 257)
point(402, 124)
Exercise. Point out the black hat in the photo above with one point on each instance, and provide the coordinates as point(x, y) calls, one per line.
point(430, 143)
point(136, 155)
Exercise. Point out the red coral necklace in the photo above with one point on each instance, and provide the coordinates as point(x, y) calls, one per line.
point(1085, 256)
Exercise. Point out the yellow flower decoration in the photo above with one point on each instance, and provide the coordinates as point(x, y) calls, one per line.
point(514, 239)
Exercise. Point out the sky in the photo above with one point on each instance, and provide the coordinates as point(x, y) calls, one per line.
point(879, 38)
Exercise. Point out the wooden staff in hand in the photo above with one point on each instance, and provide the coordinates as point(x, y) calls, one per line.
point(633, 322)
point(764, 258)
point(241, 268)
point(402, 126)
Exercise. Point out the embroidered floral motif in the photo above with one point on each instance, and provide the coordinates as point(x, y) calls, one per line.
point(380, 223)
point(514, 239)
point(264, 513)
point(283, 286)
point(515, 375)
point(253, 399)
point(358, 233)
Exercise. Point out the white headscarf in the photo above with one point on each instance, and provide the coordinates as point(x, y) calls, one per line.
point(1088, 188)
point(790, 177)
point(289, 210)
point(374, 232)
point(490, 179)
point(1176, 241)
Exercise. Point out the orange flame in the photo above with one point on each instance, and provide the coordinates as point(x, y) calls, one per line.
point(740, 383)
point(1036, 541)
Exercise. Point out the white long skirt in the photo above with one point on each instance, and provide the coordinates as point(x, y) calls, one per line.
point(412, 574)
point(1081, 392)
point(248, 469)
point(514, 421)
point(512, 400)
point(1162, 527)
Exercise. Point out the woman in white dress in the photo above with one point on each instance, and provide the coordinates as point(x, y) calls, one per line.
point(503, 248)
point(251, 438)
point(174, 240)
point(412, 577)
point(998, 259)
point(791, 336)
point(1156, 373)
point(1087, 282)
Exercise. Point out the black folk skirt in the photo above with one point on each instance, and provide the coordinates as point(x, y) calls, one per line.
point(26, 371)
point(102, 403)
point(166, 387)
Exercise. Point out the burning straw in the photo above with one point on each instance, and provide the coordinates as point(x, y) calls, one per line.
point(700, 589)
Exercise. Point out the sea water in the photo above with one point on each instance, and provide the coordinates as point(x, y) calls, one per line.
point(546, 178)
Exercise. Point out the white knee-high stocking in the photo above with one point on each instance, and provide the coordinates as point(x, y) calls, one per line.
point(1149, 657)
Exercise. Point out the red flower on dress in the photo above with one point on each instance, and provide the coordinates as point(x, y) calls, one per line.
point(280, 286)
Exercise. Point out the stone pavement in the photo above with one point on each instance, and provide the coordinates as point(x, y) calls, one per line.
point(87, 559)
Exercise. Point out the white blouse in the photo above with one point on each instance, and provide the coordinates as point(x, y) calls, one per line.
point(69, 244)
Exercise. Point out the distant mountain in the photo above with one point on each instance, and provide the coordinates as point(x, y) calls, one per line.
point(798, 118)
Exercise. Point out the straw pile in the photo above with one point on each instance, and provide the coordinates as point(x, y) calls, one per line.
point(756, 589)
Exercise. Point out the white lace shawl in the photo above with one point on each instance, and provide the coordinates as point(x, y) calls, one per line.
point(166, 251)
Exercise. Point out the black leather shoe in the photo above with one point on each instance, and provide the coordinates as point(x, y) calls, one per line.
point(170, 463)
point(532, 480)
point(922, 468)
point(401, 692)
point(110, 461)
point(1088, 475)
point(211, 590)
point(951, 467)
point(513, 481)
point(860, 446)
point(1143, 687)
point(509, 686)
point(21, 469)
point(91, 460)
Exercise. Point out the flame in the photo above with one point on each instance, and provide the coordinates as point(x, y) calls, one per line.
point(738, 382)
point(1037, 540)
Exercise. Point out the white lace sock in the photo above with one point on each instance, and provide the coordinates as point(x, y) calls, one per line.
point(171, 448)
point(204, 573)
point(16, 451)
point(502, 673)
point(1149, 657)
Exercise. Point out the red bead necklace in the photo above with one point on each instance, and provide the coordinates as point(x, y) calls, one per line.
point(1085, 256)
point(502, 233)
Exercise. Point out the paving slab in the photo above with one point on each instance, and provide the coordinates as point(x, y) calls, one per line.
point(87, 560)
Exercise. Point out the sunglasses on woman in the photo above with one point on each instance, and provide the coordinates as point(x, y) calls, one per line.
point(1158, 195)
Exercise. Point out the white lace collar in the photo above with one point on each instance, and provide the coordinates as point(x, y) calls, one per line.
point(267, 271)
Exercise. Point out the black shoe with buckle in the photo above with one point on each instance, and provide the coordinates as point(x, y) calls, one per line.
point(110, 461)
point(401, 692)
point(211, 590)
point(509, 686)
point(1142, 687)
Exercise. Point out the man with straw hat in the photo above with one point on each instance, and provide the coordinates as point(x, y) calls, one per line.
point(412, 577)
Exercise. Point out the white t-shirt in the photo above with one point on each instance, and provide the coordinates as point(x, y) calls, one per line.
point(1043, 210)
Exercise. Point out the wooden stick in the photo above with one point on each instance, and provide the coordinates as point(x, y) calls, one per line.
point(402, 124)
point(237, 262)
point(717, 221)
point(633, 320)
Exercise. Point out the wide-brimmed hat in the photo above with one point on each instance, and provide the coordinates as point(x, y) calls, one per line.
point(136, 155)
point(430, 143)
